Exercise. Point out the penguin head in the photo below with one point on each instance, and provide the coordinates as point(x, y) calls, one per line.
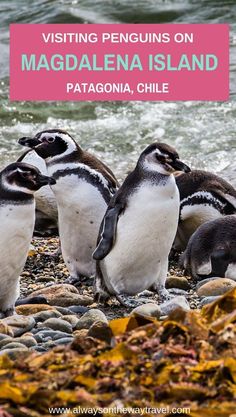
point(23, 177)
point(162, 158)
point(51, 143)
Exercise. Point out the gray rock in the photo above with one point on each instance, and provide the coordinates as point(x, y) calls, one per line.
point(41, 338)
point(28, 341)
point(5, 341)
point(208, 300)
point(47, 335)
point(93, 315)
point(19, 324)
point(57, 324)
point(49, 345)
point(3, 336)
point(149, 310)
point(78, 309)
point(47, 314)
point(14, 345)
point(64, 311)
point(73, 320)
point(38, 348)
point(64, 341)
point(176, 302)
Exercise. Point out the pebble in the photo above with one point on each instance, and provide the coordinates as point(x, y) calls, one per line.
point(78, 309)
point(39, 348)
point(31, 300)
point(57, 324)
point(44, 279)
point(45, 315)
point(19, 324)
point(92, 316)
point(73, 320)
point(204, 281)
point(14, 345)
point(3, 336)
point(49, 345)
point(177, 282)
point(28, 341)
point(46, 335)
point(101, 331)
point(80, 333)
point(14, 353)
point(63, 295)
point(63, 310)
point(28, 309)
point(176, 302)
point(64, 341)
point(208, 300)
point(149, 309)
point(218, 286)
point(5, 329)
point(4, 342)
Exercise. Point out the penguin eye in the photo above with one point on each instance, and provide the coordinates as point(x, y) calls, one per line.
point(51, 139)
point(160, 158)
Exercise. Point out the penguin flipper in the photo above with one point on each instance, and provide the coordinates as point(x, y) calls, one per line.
point(108, 234)
point(228, 198)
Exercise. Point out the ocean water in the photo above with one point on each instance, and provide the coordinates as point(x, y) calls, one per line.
point(202, 132)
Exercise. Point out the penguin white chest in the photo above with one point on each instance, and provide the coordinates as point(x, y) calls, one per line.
point(17, 223)
point(145, 233)
point(81, 208)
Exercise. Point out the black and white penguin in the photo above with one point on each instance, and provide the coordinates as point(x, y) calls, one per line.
point(203, 197)
point(18, 183)
point(83, 190)
point(211, 250)
point(139, 227)
point(46, 206)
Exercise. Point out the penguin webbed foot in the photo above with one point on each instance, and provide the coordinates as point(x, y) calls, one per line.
point(79, 280)
point(163, 293)
point(101, 297)
point(129, 302)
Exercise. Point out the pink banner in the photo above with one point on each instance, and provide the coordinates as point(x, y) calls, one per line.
point(119, 62)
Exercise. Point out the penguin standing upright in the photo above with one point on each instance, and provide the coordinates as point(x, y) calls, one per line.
point(139, 227)
point(84, 186)
point(203, 197)
point(18, 183)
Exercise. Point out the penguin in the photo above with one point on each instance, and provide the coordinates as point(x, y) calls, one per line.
point(83, 189)
point(211, 250)
point(139, 227)
point(203, 197)
point(46, 206)
point(18, 183)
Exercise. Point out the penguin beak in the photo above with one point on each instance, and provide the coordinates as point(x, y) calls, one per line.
point(180, 166)
point(29, 142)
point(45, 180)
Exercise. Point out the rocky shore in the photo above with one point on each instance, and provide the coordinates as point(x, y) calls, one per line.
point(66, 312)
